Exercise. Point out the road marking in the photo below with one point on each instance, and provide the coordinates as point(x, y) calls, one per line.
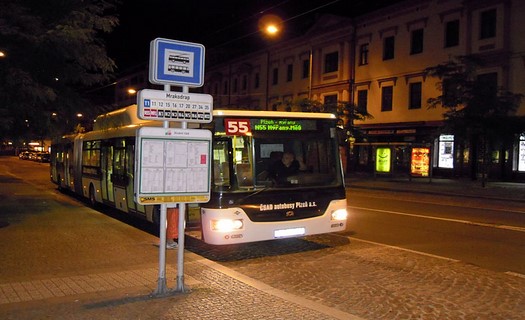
point(515, 274)
point(452, 205)
point(403, 249)
point(480, 224)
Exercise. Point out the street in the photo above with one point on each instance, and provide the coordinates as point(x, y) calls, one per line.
point(485, 233)
point(409, 256)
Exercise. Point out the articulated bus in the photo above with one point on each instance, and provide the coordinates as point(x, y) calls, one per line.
point(246, 202)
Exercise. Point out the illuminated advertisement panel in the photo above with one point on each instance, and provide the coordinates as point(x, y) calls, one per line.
point(383, 157)
point(446, 151)
point(420, 162)
point(521, 154)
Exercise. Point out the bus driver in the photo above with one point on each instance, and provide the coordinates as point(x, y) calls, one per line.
point(286, 167)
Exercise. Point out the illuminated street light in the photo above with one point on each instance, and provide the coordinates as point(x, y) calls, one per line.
point(132, 91)
point(270, 25)
point(2, 54)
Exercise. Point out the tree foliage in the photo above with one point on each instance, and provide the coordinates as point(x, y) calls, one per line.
point(473, 105)
point(53, 51)
point(477, 111)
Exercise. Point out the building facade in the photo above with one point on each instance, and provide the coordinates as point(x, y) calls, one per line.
point(378, 61)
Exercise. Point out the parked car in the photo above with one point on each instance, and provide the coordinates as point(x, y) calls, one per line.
point(42, 157)
point(24, 155)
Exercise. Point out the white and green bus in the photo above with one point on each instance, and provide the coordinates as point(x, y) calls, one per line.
point(247, 203)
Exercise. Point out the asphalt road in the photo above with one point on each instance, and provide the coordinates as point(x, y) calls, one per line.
point(482, 232)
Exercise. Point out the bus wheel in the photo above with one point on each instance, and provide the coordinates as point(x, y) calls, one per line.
point(92, 199)
point(59, 180)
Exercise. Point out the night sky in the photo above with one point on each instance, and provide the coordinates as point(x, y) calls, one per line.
point(226, 24)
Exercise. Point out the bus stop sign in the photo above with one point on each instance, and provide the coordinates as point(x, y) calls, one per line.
point(176, 63)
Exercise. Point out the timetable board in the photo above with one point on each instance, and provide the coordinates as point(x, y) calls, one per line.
point(173, 165)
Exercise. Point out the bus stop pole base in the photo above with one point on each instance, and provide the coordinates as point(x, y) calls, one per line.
point(162, 288)
point(180, 251)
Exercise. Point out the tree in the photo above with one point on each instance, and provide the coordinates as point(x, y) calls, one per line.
point(53, 52)
point(477, 111)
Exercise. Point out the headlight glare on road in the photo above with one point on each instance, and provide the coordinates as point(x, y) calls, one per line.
point(340, 214)
point(226, 225)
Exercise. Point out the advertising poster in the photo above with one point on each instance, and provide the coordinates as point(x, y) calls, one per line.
point(420, 162)
point(383, 159)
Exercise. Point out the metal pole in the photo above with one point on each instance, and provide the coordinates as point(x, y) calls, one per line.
point(180, 252)
point(162, 289)
point(182, 217)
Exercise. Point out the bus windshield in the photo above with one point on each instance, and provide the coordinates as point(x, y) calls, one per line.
point(277, 159)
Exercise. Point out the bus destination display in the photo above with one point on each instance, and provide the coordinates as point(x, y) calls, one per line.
point(246, 126)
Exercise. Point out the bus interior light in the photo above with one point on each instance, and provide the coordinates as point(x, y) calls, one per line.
point(226, 225)
point(340, 215)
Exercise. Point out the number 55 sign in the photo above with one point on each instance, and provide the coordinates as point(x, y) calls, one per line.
point(237, 127)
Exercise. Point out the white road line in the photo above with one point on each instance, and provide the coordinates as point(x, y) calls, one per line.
point(481, 224)
point(403, 249)
point(515, 274)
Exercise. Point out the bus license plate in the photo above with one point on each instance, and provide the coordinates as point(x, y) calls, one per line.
point(289, 232)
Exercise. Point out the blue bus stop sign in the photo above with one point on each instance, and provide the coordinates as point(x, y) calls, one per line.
point(176, 63)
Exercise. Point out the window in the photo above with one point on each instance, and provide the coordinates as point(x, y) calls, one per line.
point(331, 62)
point(306, 68)
point(386, 98)
point(256, 80)
point(415, 96)
point(225, 89)
point(488, 24)
point(363, 54)
point(448, 96)
point(416, 42)
point(235, 82)
point(388, 48)
point(244, 82)
point(330, 102)
point(289, 72)
point(362, 100)
point(275, 76)
point(452, 34)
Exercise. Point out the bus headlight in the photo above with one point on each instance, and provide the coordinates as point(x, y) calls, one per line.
point(340, 214)
point(226, 225)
